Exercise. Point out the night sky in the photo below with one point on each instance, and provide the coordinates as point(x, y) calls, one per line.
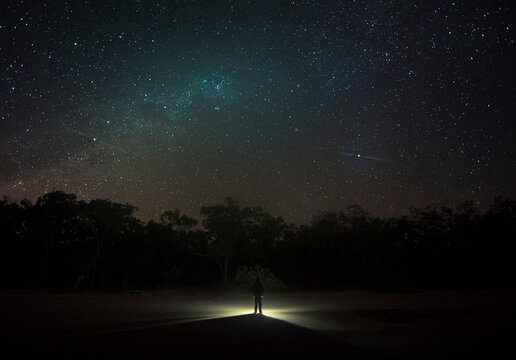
point(295, 106)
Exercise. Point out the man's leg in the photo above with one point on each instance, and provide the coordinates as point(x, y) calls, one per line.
point(260, 302)
point(255, 304)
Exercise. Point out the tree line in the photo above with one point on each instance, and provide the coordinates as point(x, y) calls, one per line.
point(62, 242)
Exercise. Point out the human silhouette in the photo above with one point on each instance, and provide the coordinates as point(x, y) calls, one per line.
point(257, 292)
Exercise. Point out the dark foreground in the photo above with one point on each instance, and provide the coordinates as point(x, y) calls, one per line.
point(356, 325)
point(238, 336)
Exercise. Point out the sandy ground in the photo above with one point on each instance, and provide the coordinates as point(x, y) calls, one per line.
point(445, 325)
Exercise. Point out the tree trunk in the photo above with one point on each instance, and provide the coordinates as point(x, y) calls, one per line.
point(93, 273)
point(225, 270)
point(46, 260)
point(83, 275)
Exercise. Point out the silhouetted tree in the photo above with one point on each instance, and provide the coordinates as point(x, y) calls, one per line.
point(225, 224)
point(60, 241)
point(176, 221)
point(54, 220)
point(108, 222)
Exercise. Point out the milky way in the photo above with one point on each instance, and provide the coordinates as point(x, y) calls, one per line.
point(179, 104)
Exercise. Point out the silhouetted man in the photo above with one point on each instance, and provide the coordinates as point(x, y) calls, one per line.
point(257, 292)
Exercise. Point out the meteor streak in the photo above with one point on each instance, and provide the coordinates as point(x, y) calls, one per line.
point(360, 156)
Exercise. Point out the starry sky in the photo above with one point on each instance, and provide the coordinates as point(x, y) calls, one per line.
point(295, 106)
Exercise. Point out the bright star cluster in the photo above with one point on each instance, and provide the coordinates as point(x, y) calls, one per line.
point(296, 106)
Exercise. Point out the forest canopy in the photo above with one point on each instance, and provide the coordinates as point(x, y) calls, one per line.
point(62, 242)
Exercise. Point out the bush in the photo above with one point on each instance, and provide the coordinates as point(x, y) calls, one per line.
point(172, 278)
point(246, 276)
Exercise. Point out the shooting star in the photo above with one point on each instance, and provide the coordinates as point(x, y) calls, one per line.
point(360, 156)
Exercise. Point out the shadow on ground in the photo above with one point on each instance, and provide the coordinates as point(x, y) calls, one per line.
point(238, 336)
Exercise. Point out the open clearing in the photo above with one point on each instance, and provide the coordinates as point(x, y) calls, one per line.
point(359, 324)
